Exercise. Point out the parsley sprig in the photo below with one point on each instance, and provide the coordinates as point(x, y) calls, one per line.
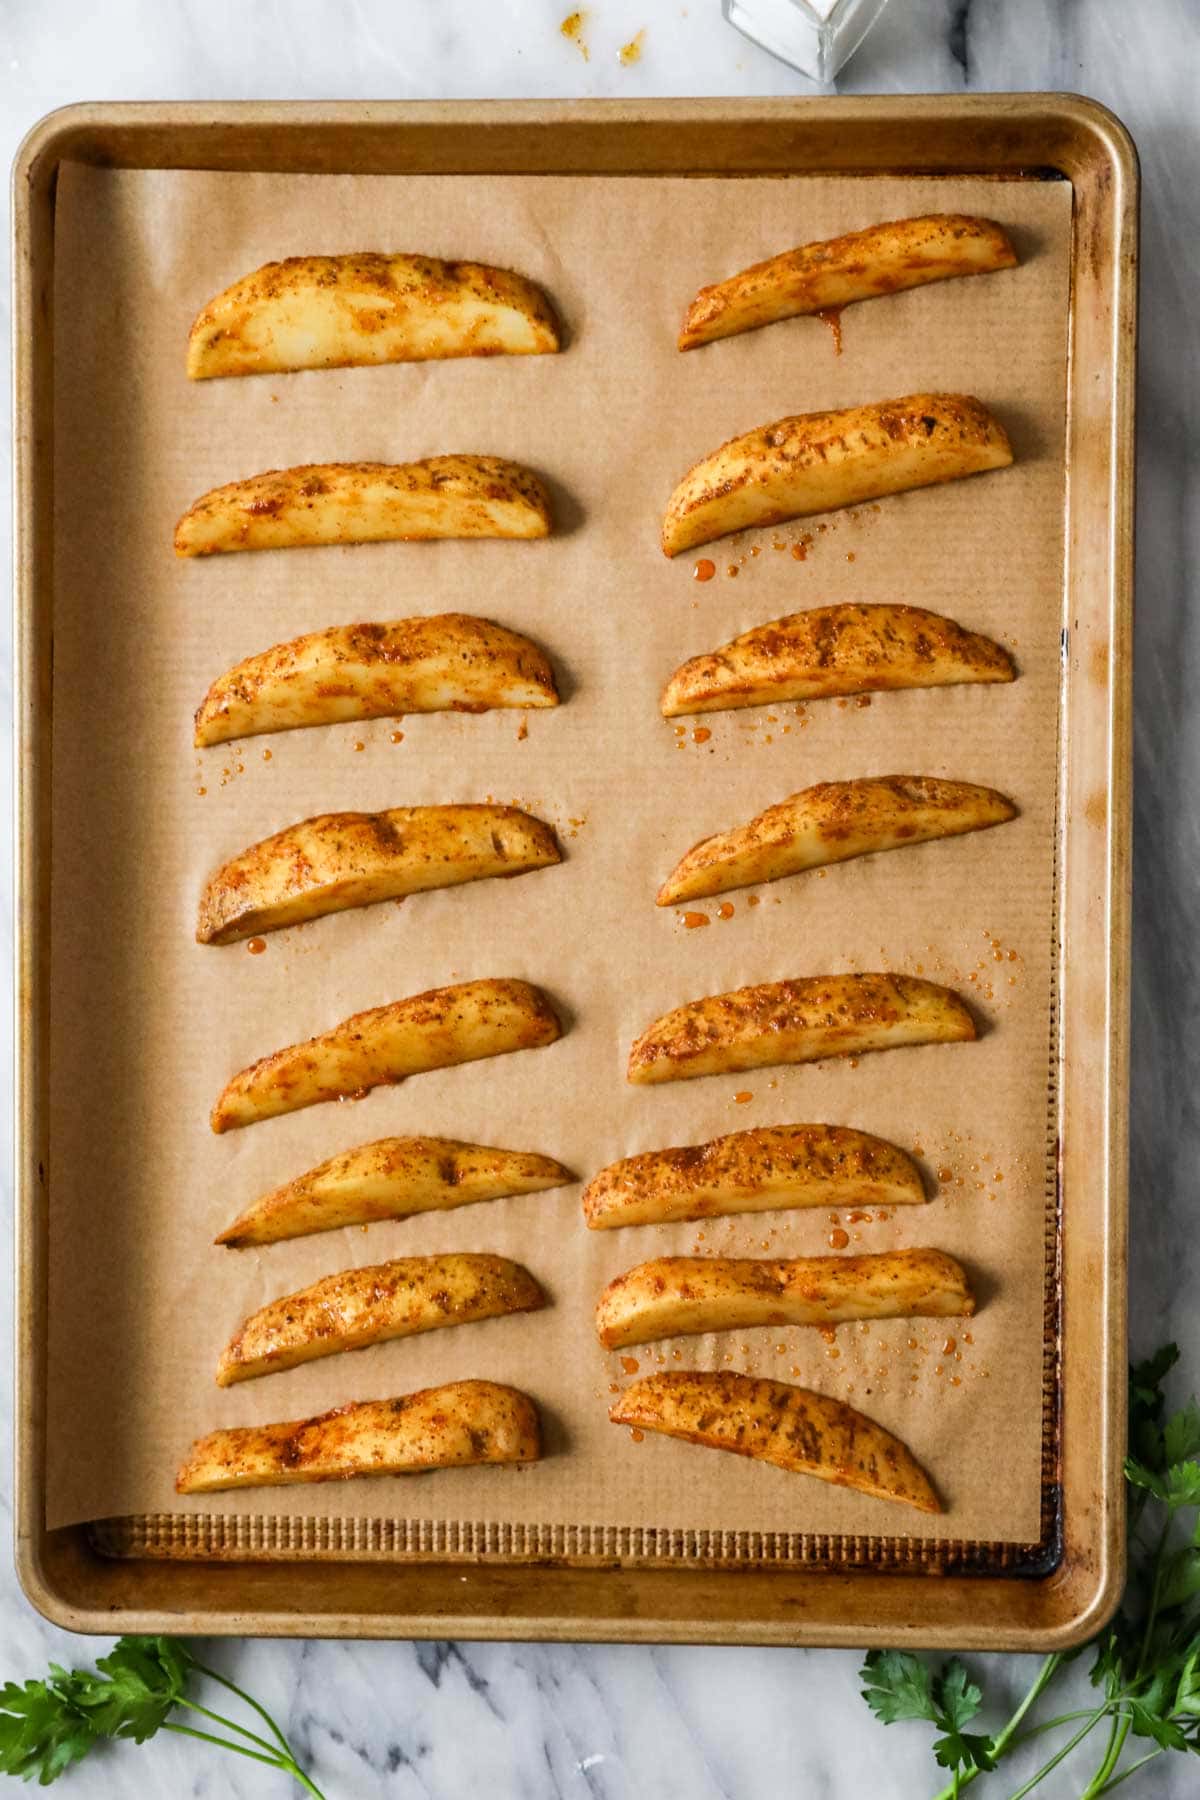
point(1147, 1662)
point(48, 1726)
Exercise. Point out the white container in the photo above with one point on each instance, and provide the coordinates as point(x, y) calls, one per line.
point(814, 36)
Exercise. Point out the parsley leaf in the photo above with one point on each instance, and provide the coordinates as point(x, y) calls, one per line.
point(141, 1680)
point(1139, 1476)
point(959, 1699)
point(1176, 1486)
point(902, 1687)
point(1148, 1723)
point(1146, 1405)
point(1181, 1580)
point(1187, 1694)
point(42, 1731)
point(958, 1695)
point(1182, 1485)
point(1146, 1378)
point(1181, 1433)
point(961, 1749)
point(47, 1726)
point(899, 1686)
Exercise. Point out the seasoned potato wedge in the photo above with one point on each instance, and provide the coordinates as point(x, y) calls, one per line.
point(797, 1021)
point(862, 265)
point(674, 1296)
point(790, 1427)
point(333, 312)
point(340, 860)
point(764, 1170)
point(835, 650)
point(363, 503)
point(360, 1307)
point(386, 1044)
point(391, 1179)
point(451, 662)
point(830, 823)
point(451, 1427)
point(815, 462)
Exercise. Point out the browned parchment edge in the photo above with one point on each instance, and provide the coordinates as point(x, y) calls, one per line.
point(331, 1577)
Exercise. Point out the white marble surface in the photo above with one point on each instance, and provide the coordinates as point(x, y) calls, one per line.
point(524, 1722)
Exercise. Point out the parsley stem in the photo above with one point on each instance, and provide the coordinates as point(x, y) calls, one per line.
point(277, 1759)
point(273, 1761)
point(310, 1787)
point(230, 1725)
point(291, 1764)
point(1131, 1770)
point(1155, 1592)
point(1059, 1756)
point(247, 1699)
point(1067, 1718)
point(1042, 1680)
point(1116, 1743)
point(960, 1780)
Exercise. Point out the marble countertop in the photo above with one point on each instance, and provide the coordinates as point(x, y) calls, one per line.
point(531, 1722)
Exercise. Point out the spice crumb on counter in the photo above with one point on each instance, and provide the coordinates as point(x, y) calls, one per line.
point(631, 52)
point(572, 28)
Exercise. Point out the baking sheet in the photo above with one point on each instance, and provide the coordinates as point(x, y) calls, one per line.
point(146, 1025)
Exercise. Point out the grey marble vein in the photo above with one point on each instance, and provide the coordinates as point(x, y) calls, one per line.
point(522, 1722)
